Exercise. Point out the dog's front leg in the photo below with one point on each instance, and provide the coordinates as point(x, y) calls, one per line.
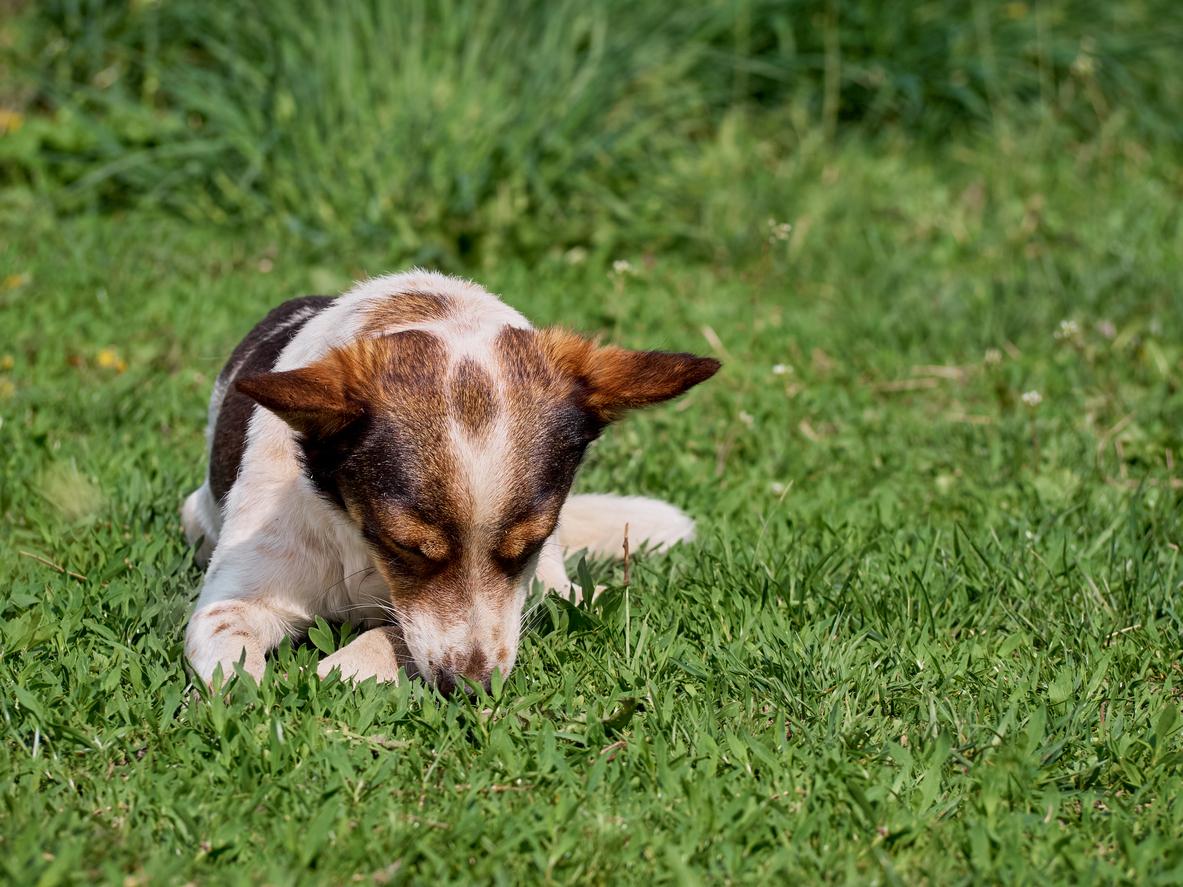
point(251, 600)
point(373, 654)
point(227, 631)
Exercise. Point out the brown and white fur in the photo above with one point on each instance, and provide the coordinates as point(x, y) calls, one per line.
point(408, 471)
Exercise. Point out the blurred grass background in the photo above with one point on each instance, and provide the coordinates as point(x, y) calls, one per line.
point(456, 133)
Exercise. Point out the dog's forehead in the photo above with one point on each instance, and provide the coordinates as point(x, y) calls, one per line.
point(480, 424)
point(466, 387)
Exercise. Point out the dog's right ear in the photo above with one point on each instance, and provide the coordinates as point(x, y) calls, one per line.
point(618, 380)
point(316, 400)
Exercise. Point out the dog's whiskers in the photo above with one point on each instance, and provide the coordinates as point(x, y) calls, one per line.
point(532, 617)
point(372, 602)
point(367, 570)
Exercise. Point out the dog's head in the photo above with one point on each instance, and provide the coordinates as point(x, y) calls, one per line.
point(454, 467)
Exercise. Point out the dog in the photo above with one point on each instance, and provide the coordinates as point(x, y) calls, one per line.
point(400, 457)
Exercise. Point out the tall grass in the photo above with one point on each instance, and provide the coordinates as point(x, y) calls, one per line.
point(455, 131)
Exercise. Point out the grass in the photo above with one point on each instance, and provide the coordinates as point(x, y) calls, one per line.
point(932, 629)
point(931, 632)
point(466, 133)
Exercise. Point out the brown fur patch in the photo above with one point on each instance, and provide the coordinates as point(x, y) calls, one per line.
point(410, 395)
point(547, 431)
point(220, 610)
point(474, 665)
point(471, 400)
point(533, 385)
point(221, 627)
point(404, 310)
point(401, 371)
point(524, 362)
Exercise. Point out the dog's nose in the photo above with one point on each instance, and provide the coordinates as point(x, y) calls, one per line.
point(445, 681)
point(473, 668)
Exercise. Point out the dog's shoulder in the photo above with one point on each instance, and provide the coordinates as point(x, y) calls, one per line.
point(231, 410)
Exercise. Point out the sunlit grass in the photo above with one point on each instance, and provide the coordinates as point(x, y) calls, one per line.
point(931, 630)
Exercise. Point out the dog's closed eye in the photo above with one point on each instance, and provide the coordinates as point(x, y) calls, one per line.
point(430, 546)
point(512, 565)
point(409, 539)
point(415, 551)
point(522, 541)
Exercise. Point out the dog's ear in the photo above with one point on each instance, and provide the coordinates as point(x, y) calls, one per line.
point(316, 400)
point(617, 380)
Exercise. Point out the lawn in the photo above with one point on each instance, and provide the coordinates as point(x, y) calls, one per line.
point(932, 629)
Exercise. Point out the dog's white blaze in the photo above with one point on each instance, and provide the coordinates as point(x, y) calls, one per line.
point(482, 461)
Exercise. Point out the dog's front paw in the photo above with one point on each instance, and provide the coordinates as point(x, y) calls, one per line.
point(371, 655)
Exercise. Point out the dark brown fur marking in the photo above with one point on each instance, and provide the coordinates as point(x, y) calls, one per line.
point(406, 309)
point(257, 353)
point(548, 428)
point(523, 361)
point(470, 397)
point(475, 665)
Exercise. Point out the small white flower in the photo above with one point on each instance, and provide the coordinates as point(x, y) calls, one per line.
point(1032, 398)
point(1069, 329)
point(622, 267)
point(778, 489)
point(993, 357)
point(576, 255)
point(746, 418)
point(781, 369)
point(1084, 65)
point(778, 231)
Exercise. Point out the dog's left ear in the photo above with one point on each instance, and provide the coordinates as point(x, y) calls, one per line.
point(618, 380)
